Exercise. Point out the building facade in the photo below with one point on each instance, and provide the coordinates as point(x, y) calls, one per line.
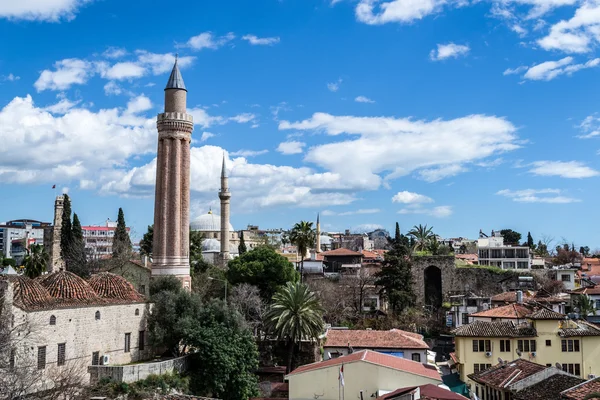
point(99, 239)
point(492, 251)
point(17, 235)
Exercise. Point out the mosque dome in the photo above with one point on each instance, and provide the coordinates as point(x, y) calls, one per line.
point(211, 245)
point(209, 222)
point(30, 294)
point(111, 286)
point(65, 285)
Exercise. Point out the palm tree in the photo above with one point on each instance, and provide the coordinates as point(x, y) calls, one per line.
point(422, 235)
point(295, 314)
point(303, 236)
point(586, 306)
point(35, 261)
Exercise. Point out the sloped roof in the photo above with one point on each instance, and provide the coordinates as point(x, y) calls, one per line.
point(511, 297)
point(29, 294)
point(111, 286)
point(549, 388)
point(341, 252)
point(501, 376)
point(494, 329)
point(66, 287)
point(373, 357)
point(546, 313)
point(175, 79)
point(580, 391)
point(512, 311)
point(392, 339)
point(428, 392)
point(578, 328)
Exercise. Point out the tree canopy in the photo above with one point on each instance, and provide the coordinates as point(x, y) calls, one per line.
point(262, 267)
point(511, 237)
point(302, 236)
point(242, 246)
point(146, 242)
point(395, 279)
point(35, 261)
point(121, 241)
point(65, 229)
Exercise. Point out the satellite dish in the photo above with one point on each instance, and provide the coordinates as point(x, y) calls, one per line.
point(557, 365)
point(500, 360)
point(519, 352)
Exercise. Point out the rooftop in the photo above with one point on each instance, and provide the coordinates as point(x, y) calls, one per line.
point(373, 357)
point(392, 339)
point(428, 392)
point(341, 252)
point(549, 388)
point(510, 311)
point(572, 328)
point(494, 329)
point(580, 392)
point(502, 375)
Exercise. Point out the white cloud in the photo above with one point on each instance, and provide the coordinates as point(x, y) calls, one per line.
point(40, 10)
point(564, 169)
point(248, 153)
point(243, 118)
point(205, 136)
point(399, 146)
point(365, 228)
point(207, 40)
point(69, 71)
point(62, 107)
point(334, 86)
point(406, 197)
point(10, 78)
point(551, 69)
point(537, 196)
point(363, 99)
point(162, 63)
point(515, 71)
point(362, 211)
point(125, 70)
point(437, 212)
point(439, 173)
point(519, 30)
point(138, 104)
point(114, 52)
point(292, 147)
point(256, 41)
point(590, 127)
point(449, 50)
point(375, 12)
point(578, 34)
point(112, 88)
point(202, 118)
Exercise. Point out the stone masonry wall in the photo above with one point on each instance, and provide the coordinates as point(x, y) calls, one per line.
point(134, 373)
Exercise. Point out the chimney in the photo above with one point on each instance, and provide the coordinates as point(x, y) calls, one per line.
point(146, 261)
point(313, 255)
point(519, 297)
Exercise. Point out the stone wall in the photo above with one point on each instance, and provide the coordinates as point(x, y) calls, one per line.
point(136, 372)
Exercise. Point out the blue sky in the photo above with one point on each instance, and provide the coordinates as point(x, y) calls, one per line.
point(460, 114)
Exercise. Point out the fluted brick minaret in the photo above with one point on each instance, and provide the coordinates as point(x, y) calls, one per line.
point(225, 196)
point(171, 246)
point(318, 239)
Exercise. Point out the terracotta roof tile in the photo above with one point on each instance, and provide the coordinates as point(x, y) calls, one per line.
point(581, 391)
point(392, 339)
point(341, 252)
point(428, 392)
point(587, 290)
point(29, 294)
point(114, 287)
point(549, 388)
point(373, 357)
point(546, 313)
point(494, 329)
point(578, 328)
point(512, 311)
point(510, 297)
point(501, 376)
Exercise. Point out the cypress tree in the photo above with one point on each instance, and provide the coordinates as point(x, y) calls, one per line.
point(397, 234)
point(65, 230)
point(77, 262)
point(530, 242)
point(121, 240)
point(242, 246)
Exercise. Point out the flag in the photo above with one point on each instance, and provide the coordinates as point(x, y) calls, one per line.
point(341, 377)
point(53, 186)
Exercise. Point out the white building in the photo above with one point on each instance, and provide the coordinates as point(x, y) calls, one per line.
point(17, 235)
point(463, 306)
point(99, 239)
point(492, 251)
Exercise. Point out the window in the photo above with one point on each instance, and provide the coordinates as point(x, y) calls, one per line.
point(52, 320)
point(416, 357)
point(11, 360)
point(505, 346)
point(568, 345)
point(97, 315)
point(522, 264)
point(482, 345)
point(137, 311)
point(548, 365)
point(61, 354)
point(565, 278)
point(548, 342)
point(41, 361)
point(573, 369)
point(481, 367)
point(465, 318)
point(142, 341)
point(127, 342)
point(471, 302)
point(526, 345)
point(96, 358)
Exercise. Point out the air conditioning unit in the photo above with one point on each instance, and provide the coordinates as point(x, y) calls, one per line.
point(105, 359)
point(488, 353)
point(533, 354)
point(592, 376)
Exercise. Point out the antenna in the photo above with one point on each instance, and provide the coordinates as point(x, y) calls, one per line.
point(519, 353)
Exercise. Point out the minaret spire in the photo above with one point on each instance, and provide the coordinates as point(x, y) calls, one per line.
point(224, 196)
point(318, 236)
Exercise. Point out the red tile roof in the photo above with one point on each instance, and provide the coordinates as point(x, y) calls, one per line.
point(511, 297)
point(498, 329)
point(590, 267)
point(579, 392)
point(341, 252)
point(392, 339)
point(587, 290)
point(428, 392)
point(510, 311)
point(111, 286)
point(501, 376)
point(68, 287)
point(373, 357)
point(549, 389)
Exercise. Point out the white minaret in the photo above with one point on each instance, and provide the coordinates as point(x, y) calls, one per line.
point(318, 239)
point(225, 196)
point(171, 246)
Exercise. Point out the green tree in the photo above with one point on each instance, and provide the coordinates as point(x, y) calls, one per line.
point(65, 229)
point(530, 242)
point(242, 246)
point(167, 283)
point(586, 305)
point(302, 236)
point(295, 314)
point(422, 236)
point(541, 250)
point(121, 241)
point(76, 260)
point(196, 260)
point(262, 267)
point(585, 251)
point(35, 261)
point(146, 242)
point(395, 279)
point(397, 234)
point(511, 237)
point(8, 261)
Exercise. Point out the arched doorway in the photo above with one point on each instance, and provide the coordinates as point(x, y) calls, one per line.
point(433, 287)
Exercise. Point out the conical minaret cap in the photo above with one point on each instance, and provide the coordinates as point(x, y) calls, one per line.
point(175, 80)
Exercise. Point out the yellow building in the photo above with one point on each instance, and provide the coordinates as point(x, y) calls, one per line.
point(365, 372)
point(544, 337)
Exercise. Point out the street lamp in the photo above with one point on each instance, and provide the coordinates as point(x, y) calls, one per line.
point(220, 280)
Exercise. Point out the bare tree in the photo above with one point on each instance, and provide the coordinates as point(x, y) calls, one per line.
point(246, 299)
point(334, 299)
point(548, 241)
point(358, 287)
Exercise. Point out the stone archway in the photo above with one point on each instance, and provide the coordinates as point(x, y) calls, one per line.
point(432, 278)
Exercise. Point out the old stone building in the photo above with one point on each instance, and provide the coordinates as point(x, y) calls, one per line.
point(61, 324)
